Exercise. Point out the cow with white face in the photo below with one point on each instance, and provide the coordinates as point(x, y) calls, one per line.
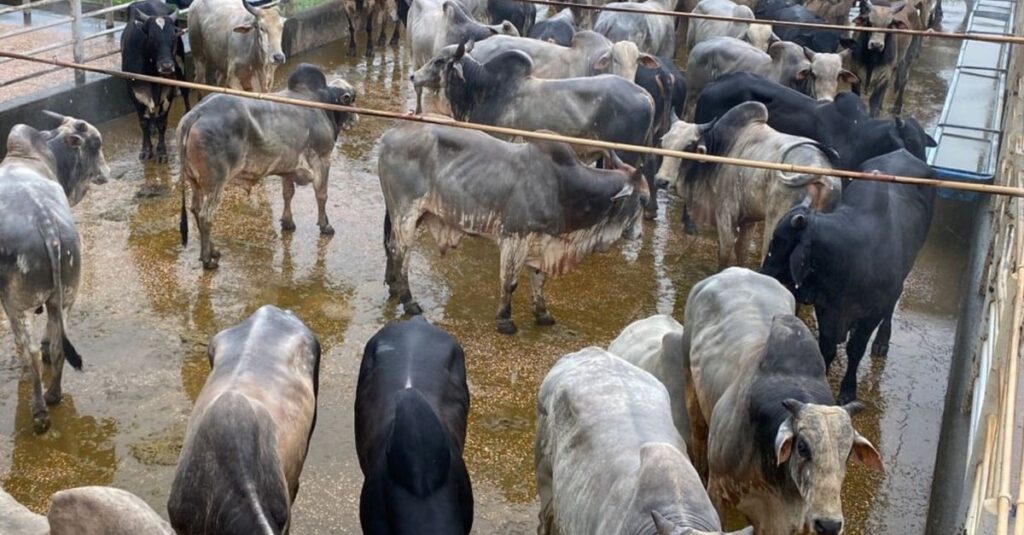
point(767, 434)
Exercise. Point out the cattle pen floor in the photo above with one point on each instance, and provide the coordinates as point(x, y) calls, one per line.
point(146, 310)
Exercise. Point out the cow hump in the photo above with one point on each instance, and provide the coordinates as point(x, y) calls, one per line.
point(418, 453)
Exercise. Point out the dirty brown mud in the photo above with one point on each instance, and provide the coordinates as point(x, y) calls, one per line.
point(146, 310)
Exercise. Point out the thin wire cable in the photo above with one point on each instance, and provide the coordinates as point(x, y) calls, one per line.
point(972, 36)
point(547, 136)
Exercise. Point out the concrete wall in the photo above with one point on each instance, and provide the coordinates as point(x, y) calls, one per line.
point(103, 98)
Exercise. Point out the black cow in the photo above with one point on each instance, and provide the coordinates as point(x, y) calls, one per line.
point(842, 124)
point(520, 14)
point(558, 29)
point(851, 263)
point(151, 45)
point(667, 87)
point(829, 41)
point(411, 408)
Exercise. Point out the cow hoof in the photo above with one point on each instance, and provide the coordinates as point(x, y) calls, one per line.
point(352, 50)
point(412, 308)
point(507, 327)
point(41, 423)
point(215, 253)
point(545, 319)
point(846, 397)
point(287, 226)
point(161, 157)
point(52, 398)
point(145, 155)
point(880, 351)
point(650, 216)
point(327, 230)
point(210, 264)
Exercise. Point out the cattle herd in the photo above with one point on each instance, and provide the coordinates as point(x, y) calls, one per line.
point(663, 433)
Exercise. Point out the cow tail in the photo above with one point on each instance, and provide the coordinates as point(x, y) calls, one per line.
point(387, 228)
point(183, 129)
point(53, 250)
point(183, 219)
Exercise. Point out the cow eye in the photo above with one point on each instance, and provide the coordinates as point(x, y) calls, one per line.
point(803, 449)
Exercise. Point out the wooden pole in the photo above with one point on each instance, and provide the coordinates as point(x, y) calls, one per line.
point(1003, 499)
point(991, 38)
point(546, 136)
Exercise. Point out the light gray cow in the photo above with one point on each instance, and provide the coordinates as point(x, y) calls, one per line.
point(546, 210)
point(435, 24)
point(766, 431)
point(700, 30)
point(589, 54)
point(239, 44)
point(654, 345)
point(734, 198)
point(40, 259)
point(249, 430)
point(654, 34)
point(16, 519)
point(608, 459)
point(814, 74)
point(227, 138)
point(103, 511)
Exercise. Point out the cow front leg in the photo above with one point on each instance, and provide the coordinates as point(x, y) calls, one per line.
point(382, 25)
point(321, 202)
point(540, 308)
point(395, 35)
point(698, 428)
point(880, 348)
point(351, 30)
point(828, 333)
point(288, 192)
point(513, 258)
point(854, 353)
point(199, 68)
point(399, 237)
point(161, 144)
point(27, 349)
point(146, 152)
point(742, 244)
point(369, 31)
point(650, 168)
point(878, 97)
point(726, 240)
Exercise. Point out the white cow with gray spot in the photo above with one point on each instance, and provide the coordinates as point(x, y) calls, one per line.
point(767, 434)
point(700, 30)
point(589, 54)
point(609, 461)
point(40, 258)
point(654, 34)
point(435, 24)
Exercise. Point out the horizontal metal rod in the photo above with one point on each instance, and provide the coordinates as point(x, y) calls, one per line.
point(527, 134)
point(33, 5)
point(105, 10)
point(35, 28)
point(29, 76)
point(971, 36)
point(40, 50)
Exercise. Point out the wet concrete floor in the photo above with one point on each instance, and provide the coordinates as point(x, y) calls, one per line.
point(146, 310)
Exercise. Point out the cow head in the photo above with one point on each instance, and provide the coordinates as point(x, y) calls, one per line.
point(266, 27)
point(685, 137)
point(632, 198)
point(760, 35)
point(914, 138)
point(789, 253)
point(468, 83)
point(879, 16)
point(71, 154)
point(431, 74)
point(622, 60)
point(162, 38)
point(823, 72)
point(309, 80)
point(814, 443)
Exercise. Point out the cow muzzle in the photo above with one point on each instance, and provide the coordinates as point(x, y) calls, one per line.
point(277, 59)
point(165, 67)
point(828, 526)
point(877, 42)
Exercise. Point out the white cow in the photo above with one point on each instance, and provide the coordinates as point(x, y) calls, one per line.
point(654, 34)
point(434, 24)
point(240, 44)
point(700, 30)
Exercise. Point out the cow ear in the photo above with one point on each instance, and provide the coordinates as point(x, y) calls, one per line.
point(929, 141)
point(663, 526)
point(784, 442)
point(802, 74)
point(623, 193)
point(848, 76)
point(899, 24)
point(243, 28)
point(861, 20)
point(73, 140)
point(847, 44)
point(602, 63)
point(649, 61)
point(457, 68)
point(140, 25)
point(701, 148)
point(864, 452)
point(799, 263)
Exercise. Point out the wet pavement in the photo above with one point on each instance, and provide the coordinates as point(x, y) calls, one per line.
point(146, 309)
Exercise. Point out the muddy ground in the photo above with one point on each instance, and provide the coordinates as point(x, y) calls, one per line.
point(146, 309)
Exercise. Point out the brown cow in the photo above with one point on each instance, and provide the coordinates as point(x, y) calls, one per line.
point(883, 59)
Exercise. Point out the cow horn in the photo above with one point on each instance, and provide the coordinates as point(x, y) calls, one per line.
point(809, 54)
point(173, 14)
point(865, 7)
point(623, 193)
point(853, 408)
point(54, 115)
point(662, 525)
point(248, 7)
point(271, 5)
point(793, 406)
point(140, 16)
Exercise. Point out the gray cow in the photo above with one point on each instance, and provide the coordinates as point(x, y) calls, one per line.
point(814, 74)
point(435, 24)
point(250, 428)
point(16, 519)
point(544, 208)
point(240, 44)
point(654, 345)
point(766, 431)
point(700, 30)
point(227, 138)
point(734, 198)
point(590, 53)
point(40, 259)
point(654, 34)
point(103, 511)
point(608, 458)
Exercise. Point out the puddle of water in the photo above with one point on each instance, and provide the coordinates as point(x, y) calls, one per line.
point(146, 310)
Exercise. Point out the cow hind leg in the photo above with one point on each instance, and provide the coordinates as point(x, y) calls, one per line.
point(288, 192)
point(881, 346)
point(513, 258)
point(878, 97)
point(26, 347)
point(400, 235)
point(370, 15)
point(727, 240)
point(351, 32)
point(854, 353)
point(540, 308)
point(320, 187)
point(742, 244)
point(395, 34)
point(60, 350)
point(203, 210)
point(382, 25)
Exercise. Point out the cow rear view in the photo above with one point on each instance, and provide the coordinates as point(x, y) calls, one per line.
point(250, 428)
